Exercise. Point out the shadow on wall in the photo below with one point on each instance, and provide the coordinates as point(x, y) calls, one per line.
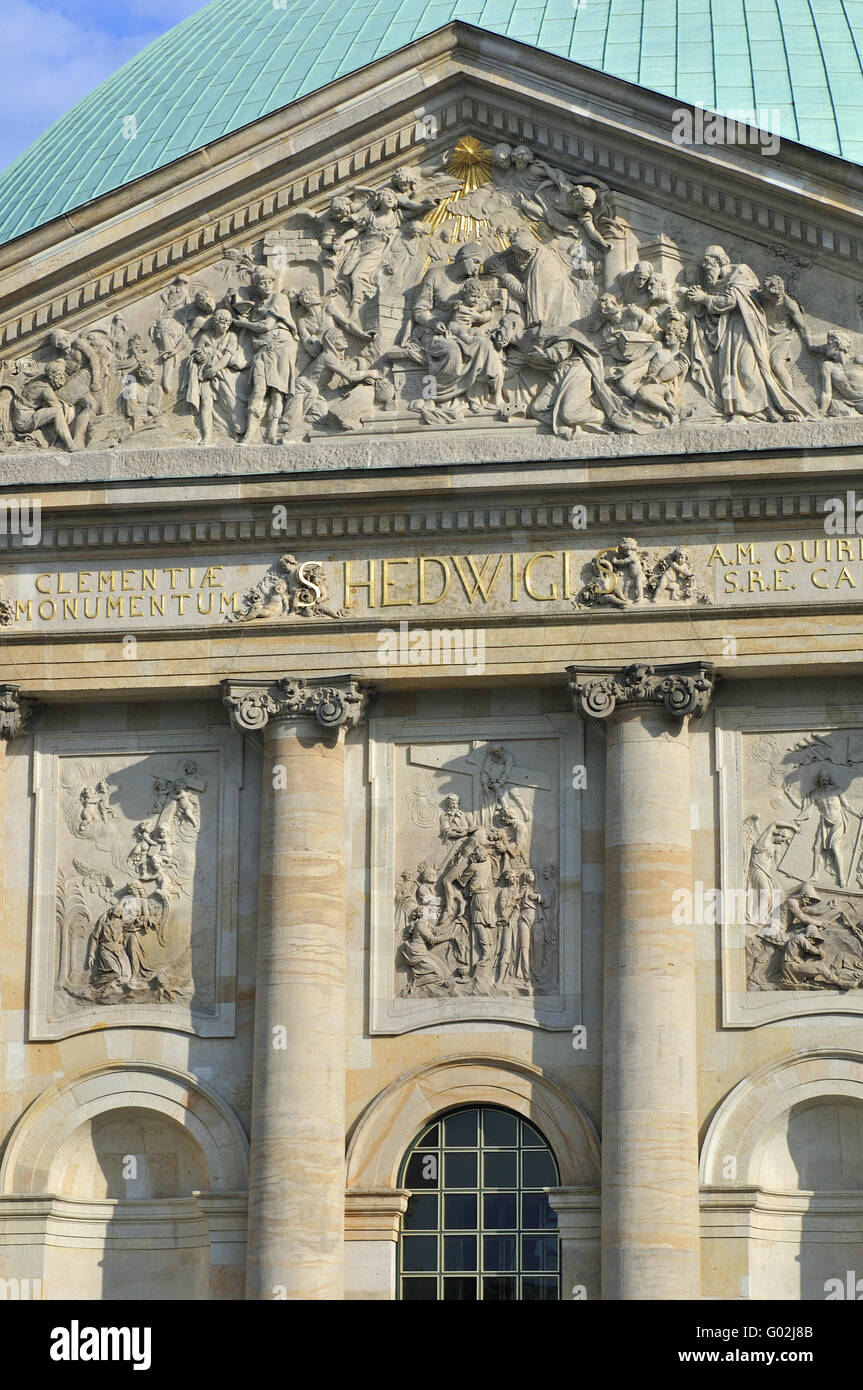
point(815, 1161)
point(131, 1175)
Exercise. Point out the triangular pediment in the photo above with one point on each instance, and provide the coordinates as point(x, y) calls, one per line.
point(468, 236)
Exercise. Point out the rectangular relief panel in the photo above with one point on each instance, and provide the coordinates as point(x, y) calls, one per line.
point(475, 872)
point(135, 879)
point(792, 864)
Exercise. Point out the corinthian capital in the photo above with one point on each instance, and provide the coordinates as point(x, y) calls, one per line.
point(15, 711)
point(684, 688)
point(337, 703)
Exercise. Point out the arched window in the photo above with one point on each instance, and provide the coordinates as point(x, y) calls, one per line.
point(478, 1223)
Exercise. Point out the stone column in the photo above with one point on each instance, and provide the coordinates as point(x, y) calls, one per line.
point(297, 1164)
point(650, 1199)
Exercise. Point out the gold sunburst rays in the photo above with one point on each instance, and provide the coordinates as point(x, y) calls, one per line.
point(470, 162)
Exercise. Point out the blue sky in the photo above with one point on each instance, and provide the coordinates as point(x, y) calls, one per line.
point(54, 53)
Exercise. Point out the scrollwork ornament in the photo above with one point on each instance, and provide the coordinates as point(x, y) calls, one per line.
point(598, 697)
point(682, 695)
point(341, 704)
point(252, 712)
point(682, 690)
point(332, 710)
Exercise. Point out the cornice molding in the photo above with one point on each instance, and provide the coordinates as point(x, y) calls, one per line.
point(314, 527)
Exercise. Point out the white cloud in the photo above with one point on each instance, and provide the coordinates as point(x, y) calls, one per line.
point(52, 58)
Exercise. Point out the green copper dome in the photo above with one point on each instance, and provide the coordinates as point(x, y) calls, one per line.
point(236, 60)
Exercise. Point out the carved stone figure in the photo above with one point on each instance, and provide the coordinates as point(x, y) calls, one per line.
point(141, 397)
point(841, 377)
point(117, 955)
point(82, 390)
point(129, 957)
point(654, 376)
point(672, 575)
point(643, 286)
point(270, 321)
point(833, 810)
point(441, 284)
point(405, 898)
point(290, 588)
point(168, 336)
point(536, 277)
point(496, 783)
point(37, 411)
point(376, 226)
point(95, 807)
point(786, 326)
point(214, 365)
point(336, 227)
point(731, 343)
point(461, 357)
point(625, 574)
point(426, 951)
point(331, 368)
point(820, 946)
point(762, 893)
point(808, 930)
point(574, 396)
point(316, 318)
point(475, 923)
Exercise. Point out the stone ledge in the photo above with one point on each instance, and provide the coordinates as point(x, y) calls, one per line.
point(402, 448)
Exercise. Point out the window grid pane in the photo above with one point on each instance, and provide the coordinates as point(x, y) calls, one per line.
point(488, 1230)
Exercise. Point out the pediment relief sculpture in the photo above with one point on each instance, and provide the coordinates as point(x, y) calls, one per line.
point(486, 288)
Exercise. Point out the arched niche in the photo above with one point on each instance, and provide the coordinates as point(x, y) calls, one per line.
point(782, 1181)
point(129, 1153)
point(765, 1125)
point(70, 1124)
